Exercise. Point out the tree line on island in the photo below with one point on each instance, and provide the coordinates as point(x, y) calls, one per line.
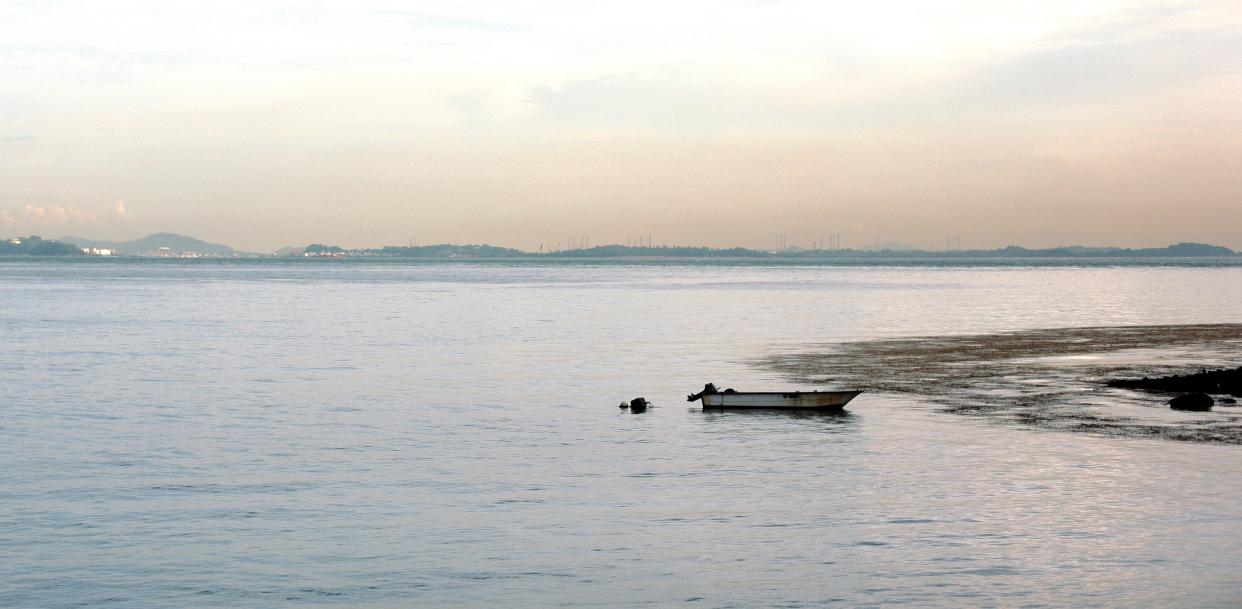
point(35, 245)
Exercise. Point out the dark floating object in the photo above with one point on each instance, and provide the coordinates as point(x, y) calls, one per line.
point(1198, 402)
point(1227, 401)
point(639, 405)
point(799, 400)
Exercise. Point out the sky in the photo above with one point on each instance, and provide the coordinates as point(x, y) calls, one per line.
point(265, 124)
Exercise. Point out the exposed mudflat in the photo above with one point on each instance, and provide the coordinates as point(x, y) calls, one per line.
point(1051, 378)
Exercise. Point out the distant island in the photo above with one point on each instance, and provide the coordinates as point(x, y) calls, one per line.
point(38, 246)
point(157, 245)
point(1180, 250)
point(169, 245)
point(452, 251)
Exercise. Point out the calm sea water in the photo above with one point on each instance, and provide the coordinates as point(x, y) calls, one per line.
point(271, 434)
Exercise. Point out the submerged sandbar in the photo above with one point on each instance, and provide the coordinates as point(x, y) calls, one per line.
point(1050, 378)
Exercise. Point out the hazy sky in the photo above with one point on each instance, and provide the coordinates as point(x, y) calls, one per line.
point(263, 124)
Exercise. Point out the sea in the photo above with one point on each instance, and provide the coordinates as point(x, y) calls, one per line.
point(391, 434)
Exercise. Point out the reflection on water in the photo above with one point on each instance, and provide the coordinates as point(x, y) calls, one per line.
point(775, 422)
point(383, 436)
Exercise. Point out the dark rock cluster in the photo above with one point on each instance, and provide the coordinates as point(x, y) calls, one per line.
point(1198, 402)
point(1228, 380)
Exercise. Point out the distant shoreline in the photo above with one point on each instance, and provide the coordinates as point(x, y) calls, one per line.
point(583, 261)
point(169, 245)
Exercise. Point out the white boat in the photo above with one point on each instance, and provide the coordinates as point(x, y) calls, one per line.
point(799, 400)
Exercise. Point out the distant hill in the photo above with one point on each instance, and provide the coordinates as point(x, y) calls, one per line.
point(890, 246)
point(1180, 250)
point(152, 244)
point(613, 251)
point(1189, 250)
point(446, 250)
point(177, 245)
point(319, 249)
point(37, 246)
point(289, 251)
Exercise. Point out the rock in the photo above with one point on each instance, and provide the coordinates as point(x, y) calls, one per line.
point(639, 405)
point(625, 405)
point(1192, 401)
point(1206, 381)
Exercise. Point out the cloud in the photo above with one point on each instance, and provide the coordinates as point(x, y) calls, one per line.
point(122, 214)
point(665, 103)
point(46, 217)
point(57, 220)
point(8, 219)
point(1089, 72)
point(58, 215)
point(627, 101)
point(1095, 65)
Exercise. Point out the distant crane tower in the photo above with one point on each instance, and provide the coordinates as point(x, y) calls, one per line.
point(833, 240)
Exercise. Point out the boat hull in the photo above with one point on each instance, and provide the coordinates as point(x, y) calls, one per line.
point(795, 400)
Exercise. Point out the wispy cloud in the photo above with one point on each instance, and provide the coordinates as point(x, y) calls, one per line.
point(13, 138)
point(47, 217)
point(121, 215)
point(435, 20)
point(1116, 69)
